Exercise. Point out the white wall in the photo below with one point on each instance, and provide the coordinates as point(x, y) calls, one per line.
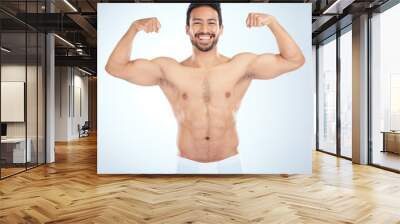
point(69, 82)
point(16, 73)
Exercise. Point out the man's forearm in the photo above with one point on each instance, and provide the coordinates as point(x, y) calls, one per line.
point(288, 48)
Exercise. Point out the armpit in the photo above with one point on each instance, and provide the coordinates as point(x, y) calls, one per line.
point(247, 77)
point(165, 83)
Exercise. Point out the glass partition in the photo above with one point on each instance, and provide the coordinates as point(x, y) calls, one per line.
point(22, 77)
point(32, 95)
point(41, 107)
point(14, 153)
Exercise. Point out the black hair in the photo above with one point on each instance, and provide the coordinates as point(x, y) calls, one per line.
point(215, 6)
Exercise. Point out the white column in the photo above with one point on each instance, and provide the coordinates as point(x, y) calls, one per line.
point(50, 101)
point(50, 92)
point(360, 90)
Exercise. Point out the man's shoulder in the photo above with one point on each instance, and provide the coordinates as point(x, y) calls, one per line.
point(165, 61)
point(185, 62)
point(244, 56)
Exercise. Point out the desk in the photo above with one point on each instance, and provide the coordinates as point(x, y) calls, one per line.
point(15, 148)
point(391, 141)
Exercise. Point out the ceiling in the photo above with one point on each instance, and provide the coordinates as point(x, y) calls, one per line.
point(76, 22)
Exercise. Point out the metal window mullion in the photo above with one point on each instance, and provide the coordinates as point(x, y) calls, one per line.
point(369, 88)
point(45, 88)
point(69, 92)
point(317, 96)
point(45, 94)
point(338, 98)
point(26, 87)
point(72, 92)
point(37, 91)
point(0, 94)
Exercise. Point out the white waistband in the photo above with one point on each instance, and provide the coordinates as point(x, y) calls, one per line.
point(230, 165)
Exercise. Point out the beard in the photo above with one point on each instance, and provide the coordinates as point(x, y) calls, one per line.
point(201, 47)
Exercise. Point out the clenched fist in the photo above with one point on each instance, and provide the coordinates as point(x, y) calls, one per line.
point(259, 19)
point(148, 25)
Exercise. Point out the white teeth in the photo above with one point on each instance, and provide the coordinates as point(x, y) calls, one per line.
point(204, 37)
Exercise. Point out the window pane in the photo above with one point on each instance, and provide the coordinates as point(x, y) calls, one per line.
point(386, 89)
point(346, 93)
point(327, 97)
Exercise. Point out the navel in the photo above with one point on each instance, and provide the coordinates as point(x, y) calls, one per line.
point(184, 96)
point(207, 138)
point(227, 94)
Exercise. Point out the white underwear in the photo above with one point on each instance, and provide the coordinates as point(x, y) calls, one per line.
point(231, 165)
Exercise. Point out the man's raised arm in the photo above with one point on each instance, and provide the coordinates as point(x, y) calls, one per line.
point(268, 66)
point(139, 71)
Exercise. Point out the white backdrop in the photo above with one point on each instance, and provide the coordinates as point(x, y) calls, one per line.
point(136, 127)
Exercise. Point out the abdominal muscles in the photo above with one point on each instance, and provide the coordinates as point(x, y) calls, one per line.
point(207, 131)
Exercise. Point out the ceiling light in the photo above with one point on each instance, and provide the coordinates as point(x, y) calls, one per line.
point(70, 5)
point(84, 71)
point(64, 40)
point(5, 50)
point(338, 6)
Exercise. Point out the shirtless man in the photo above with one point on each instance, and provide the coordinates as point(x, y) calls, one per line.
point(205, 89)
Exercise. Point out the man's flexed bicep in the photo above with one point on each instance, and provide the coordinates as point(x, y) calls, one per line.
point(267, 66)
point(139, 71)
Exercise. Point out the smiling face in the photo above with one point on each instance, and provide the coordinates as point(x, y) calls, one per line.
point(204, 29)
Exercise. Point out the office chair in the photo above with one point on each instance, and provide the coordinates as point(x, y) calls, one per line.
point(84, 130)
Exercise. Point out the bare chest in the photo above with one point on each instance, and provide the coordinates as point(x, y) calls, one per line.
point(206, 86)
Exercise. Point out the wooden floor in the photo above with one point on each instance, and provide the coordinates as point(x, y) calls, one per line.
point(70, 191)
point(5, 172)
point(387, 159)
